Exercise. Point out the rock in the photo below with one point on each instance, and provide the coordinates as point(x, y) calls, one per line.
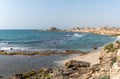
point(46, 70)
point(1, 77)
point(106, 59)
point(74, 63)
point(1, 50)
point(95, 48)
point(117, 44)
point(95, 67)
point(11, 48)
point(68, 72)
point(118, 55)
point(115, 71)
point(74, 75)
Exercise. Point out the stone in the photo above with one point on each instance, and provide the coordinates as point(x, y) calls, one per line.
point(115, 71)
point(74, 63)
point(95, 67)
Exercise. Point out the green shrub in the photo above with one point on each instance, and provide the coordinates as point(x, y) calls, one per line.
point(118, 42)
point(110, 48)
point(105, 77)
point(113, 61)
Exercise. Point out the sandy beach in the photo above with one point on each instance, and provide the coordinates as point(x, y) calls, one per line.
point(92, 57)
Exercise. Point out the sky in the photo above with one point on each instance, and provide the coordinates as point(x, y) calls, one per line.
point(42, 14)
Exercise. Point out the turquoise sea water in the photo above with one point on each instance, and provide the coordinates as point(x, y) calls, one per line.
point(29, 40)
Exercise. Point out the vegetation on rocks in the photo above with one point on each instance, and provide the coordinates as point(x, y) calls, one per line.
point(29, 74)
point(110, 48)
point(113, 61)
point(105, 77)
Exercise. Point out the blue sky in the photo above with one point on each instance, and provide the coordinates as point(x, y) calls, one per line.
point(38, 14)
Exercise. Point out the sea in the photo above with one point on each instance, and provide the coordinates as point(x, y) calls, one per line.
point(32, 40)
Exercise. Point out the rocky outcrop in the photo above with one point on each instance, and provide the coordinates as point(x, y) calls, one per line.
point(115, 71)
point(73, 63)
point(109, 62)
point(107, 68)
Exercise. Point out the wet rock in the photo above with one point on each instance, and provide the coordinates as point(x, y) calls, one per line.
point(95, 48)
point(11, 48)
point(1, 77)
point(1, 50)
point(74, 63)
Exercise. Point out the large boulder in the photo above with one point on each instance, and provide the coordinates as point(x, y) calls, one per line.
point(74, 63)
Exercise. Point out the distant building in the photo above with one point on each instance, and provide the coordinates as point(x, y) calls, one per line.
point(53, 29)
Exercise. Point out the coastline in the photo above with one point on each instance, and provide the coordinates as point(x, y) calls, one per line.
point(95, 65)
point(104, 30)
point(92, 57)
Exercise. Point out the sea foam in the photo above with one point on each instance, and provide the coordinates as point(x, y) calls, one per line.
point(3, 43)
point(117, 38)
point(77, 35)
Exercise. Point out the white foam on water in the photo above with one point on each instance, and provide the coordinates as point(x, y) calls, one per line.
point(3, 43)
point(67, 35)
point(77, 35)
point(14, 48)
point(117, 38)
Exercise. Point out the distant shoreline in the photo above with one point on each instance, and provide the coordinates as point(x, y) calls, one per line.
point(110, 31)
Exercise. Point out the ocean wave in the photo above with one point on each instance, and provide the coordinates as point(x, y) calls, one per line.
point(67, 35)
point(3, 43)
point(117, 38)
point(78, 35)
point(14, 48)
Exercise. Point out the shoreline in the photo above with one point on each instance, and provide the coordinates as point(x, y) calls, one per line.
point(104, 30)
point(92, 57)
point(42, 53)
point(87, 66)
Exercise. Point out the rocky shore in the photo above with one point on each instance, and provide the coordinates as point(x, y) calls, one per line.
point(43, 53)
point(108, 67)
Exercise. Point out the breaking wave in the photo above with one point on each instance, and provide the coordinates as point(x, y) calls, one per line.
point(77, 35)
point(3, 43)
point(117, 38)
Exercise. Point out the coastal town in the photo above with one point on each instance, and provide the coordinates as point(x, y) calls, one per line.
point(112, 31)
point(105, 30)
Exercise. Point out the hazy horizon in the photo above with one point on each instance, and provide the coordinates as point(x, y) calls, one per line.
point(42, 14)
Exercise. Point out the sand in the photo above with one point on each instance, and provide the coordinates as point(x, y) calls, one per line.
point(92, 57)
